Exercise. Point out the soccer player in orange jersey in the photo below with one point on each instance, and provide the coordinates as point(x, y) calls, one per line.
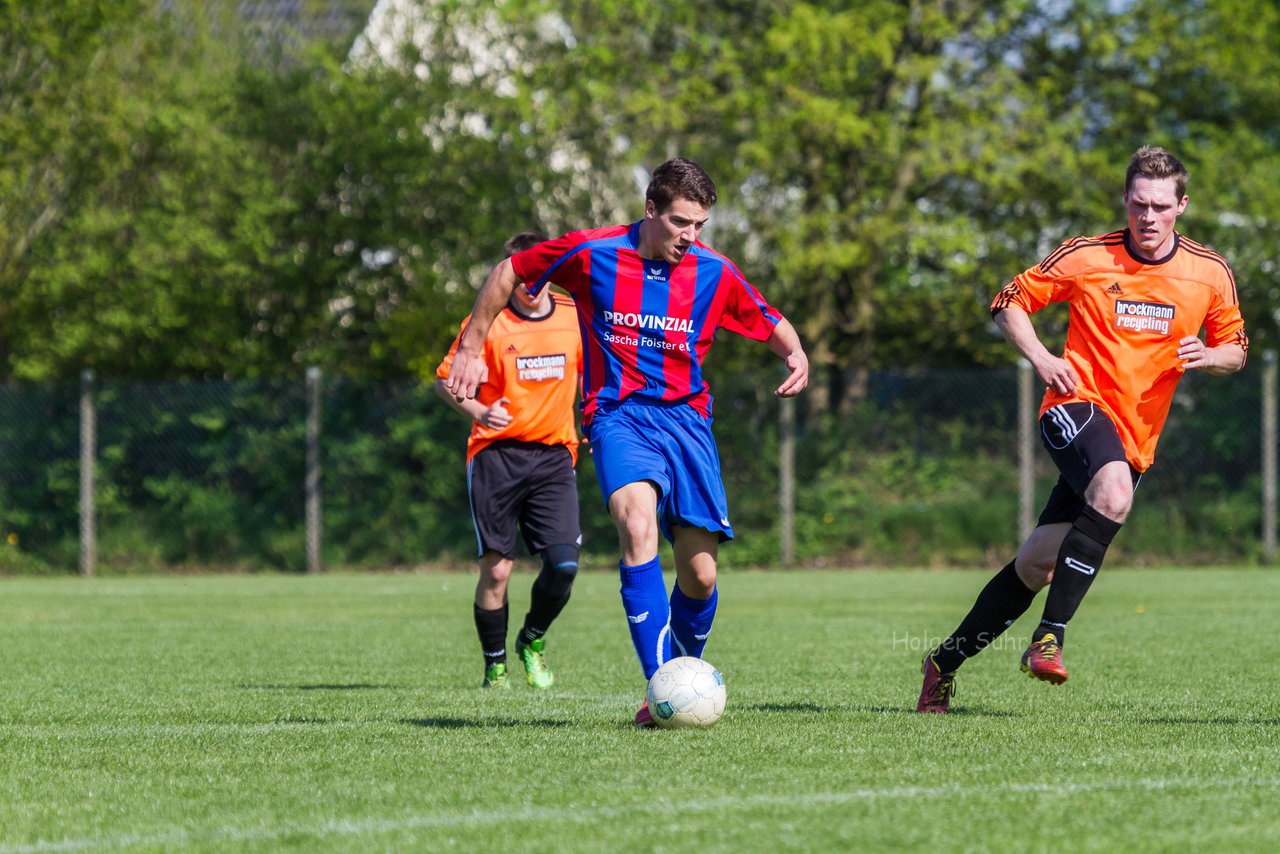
point(1138, 300)
point(520, 467)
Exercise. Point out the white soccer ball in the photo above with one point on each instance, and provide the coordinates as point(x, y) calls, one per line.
point(686, 691)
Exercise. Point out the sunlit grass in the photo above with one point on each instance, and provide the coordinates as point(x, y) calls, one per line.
point(343, 712)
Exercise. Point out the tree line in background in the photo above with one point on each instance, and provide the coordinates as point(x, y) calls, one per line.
point(187, 195)
point(182, 199)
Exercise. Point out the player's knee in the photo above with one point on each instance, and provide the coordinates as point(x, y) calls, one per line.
point(559, 569)
point(637, 530)
point(700, 583)
point(495, 569)
point(1114, 505)
point(1111, 492)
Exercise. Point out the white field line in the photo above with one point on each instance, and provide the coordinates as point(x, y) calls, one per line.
point(478, 817)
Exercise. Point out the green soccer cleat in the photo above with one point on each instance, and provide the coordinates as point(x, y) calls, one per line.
point(495, 676)
point(536, 671)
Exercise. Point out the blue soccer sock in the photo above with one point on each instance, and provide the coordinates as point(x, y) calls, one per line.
point(644, 597)
point(691, 621)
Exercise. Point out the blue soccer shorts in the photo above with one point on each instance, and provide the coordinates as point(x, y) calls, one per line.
point(671, 446)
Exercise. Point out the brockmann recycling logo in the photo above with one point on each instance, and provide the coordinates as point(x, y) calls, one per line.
point(1143, 316)
point(539, 368)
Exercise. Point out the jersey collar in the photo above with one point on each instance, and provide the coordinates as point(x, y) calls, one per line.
point(1173, 250)
point(514, 308)
point(633, 235)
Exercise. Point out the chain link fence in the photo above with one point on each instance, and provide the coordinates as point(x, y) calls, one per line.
point(931, 468)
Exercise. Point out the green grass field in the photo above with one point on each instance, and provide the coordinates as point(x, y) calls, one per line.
point(343, 713)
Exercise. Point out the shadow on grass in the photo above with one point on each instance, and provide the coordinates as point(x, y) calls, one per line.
point(807, 708)
point(1212, 721)
point(352, 686)
point(958, 712)
point(814, 708)
point(481, 723)
point(307, 721)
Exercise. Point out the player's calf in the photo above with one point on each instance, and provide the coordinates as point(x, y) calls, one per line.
point(551, 591)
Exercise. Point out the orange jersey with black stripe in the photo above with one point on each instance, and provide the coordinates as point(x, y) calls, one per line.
point(534, 363)
point(1127, 315)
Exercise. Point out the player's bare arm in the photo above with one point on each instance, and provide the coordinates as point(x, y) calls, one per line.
point(468, 371)
point(495, 415)
point(1055, 372)
point(1218, 361)
point(785, 341)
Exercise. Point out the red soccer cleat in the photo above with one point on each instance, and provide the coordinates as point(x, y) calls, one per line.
point(1043, 660)
point(644, 720)
point(938, 689)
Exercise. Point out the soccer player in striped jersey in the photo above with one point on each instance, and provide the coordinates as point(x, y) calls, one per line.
point(520, 468)
point(650, 298)
point(1138, 300)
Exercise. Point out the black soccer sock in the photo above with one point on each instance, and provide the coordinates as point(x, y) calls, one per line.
point(999, 605)
point(551, 590)
point(491, 626)
point(1079, 560)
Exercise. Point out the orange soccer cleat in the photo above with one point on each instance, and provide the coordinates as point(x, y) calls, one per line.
point(1043, 660)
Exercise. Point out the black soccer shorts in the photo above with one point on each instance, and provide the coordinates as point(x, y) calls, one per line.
point(526, 485)
point(1080, 439)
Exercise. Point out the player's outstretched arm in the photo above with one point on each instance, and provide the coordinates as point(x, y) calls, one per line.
point(785, 341)
point(1055, 372)
point(468, 371)
point(1219, 361)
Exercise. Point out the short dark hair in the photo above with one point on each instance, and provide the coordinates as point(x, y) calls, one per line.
point(1152, 161)
point(680, 178)
point(522, 241)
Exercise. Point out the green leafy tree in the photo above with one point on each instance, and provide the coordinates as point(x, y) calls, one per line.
point(158, 222)
point(178, 199)
point(1213, 84)
point(57, 140)
point(887, 166)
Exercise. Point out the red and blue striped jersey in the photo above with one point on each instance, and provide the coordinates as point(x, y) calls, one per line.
point(646, 325)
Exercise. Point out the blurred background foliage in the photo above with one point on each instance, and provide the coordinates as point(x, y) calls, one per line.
point(221, 191)
point(184, 194)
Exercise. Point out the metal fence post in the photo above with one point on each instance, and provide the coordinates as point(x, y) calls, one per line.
point(1269, 456)
point(787, 478)
point(88, 454)
point(313, 508)
point(1026, 448)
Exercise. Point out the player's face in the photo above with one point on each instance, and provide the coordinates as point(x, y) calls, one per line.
point(528, 305)
point(1154, 207)
point(668, 235)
